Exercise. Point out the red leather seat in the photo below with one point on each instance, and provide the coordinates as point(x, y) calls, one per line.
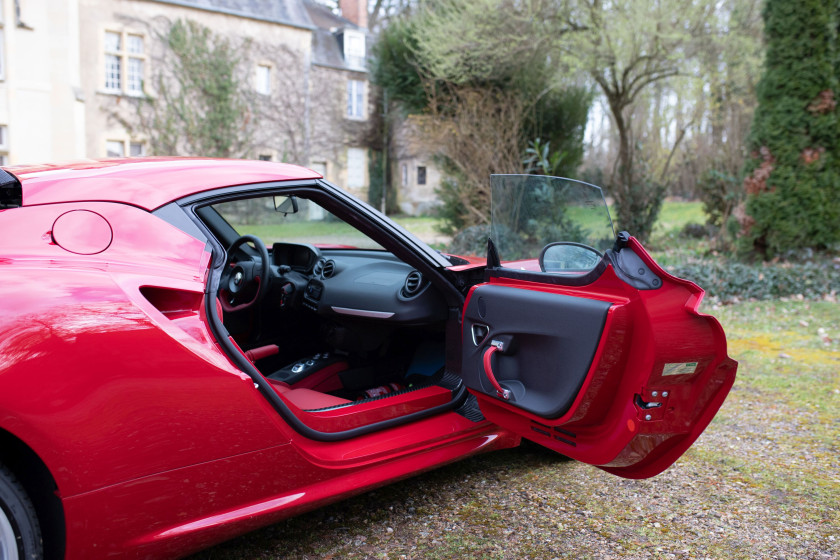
point(303, 398)
point(306, 399)
point(253, 354)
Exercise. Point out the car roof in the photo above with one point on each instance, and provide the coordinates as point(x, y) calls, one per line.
point(148, 182)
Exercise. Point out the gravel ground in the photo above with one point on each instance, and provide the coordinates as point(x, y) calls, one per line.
point(763, 481)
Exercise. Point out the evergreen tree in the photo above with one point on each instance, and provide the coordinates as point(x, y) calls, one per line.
point(793, 181)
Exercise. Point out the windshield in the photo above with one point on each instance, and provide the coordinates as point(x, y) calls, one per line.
point(529, 212)
point(273, 221)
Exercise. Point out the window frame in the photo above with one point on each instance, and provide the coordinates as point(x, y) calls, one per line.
point(258, 83)
point(125, 57)
point(356, 97)
point(2, 51)
point(132, 144)
point(354, 49)
point(127, 147)
point(113, 143)
point(4, 144)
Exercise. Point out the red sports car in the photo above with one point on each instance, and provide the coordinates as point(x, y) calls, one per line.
point(191, 349)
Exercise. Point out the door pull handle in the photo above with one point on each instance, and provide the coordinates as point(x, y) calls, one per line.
point(495, 346)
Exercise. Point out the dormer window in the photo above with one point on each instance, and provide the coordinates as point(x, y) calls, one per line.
point(354, 49)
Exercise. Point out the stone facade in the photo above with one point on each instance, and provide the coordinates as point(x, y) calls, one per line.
point(73, 81)
point(414, 172)
point(42, 105)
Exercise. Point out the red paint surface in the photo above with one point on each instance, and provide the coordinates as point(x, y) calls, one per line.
point(82, 232)
point(148, 182)
point(159, 446)
point(644, 330)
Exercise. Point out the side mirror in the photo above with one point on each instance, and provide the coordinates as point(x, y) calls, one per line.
point(286, 205)
point(566, 256)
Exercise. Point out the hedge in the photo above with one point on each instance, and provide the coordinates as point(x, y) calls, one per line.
point(731, 281)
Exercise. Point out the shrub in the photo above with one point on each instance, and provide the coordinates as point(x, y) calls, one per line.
point(728, 281)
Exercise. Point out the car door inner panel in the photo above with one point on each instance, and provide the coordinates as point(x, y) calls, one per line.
point(537, 345)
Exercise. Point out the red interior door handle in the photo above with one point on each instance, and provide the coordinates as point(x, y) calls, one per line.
point(488, 371)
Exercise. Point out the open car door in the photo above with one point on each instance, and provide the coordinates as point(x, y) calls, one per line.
point(592, 349)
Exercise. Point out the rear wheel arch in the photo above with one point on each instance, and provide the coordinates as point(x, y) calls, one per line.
point(40, 487)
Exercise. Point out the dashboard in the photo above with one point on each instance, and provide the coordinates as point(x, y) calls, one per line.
point(358, 284)
point(298, 257)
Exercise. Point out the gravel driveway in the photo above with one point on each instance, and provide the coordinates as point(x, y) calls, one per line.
point(763, 482)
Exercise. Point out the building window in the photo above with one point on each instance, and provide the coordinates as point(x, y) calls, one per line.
point(134, 76)
point(354, 49)
point(404, 175)
point(136, 149)
point(421, 175)
point(2, 52)
point(118, 148)
point(124, 62)
point(356, 167)
point(355, 99)
point(264, 157)
point(114, 148)
point(4, 144)
point(263, 79)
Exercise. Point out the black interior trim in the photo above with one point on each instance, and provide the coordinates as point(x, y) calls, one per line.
point(405, 391)
point(545, 343)
point(350, 213)
point(548, 277)
point(277, 403)
point(11, 193)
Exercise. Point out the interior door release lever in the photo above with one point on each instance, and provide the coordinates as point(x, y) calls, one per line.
point(479, 333)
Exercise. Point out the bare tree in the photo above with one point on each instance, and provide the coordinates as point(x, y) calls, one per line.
point(626, 48)
point(481, 135)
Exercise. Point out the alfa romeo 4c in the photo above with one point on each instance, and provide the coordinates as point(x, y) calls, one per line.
point(191, 349)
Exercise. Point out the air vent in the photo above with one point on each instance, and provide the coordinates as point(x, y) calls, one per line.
point(319, 267)
point(413, 283)
point(329, 269)
point(552, 433)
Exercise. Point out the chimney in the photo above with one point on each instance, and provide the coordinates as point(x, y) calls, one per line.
point(354, 11)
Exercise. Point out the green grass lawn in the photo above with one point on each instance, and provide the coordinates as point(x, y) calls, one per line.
point(676, 214)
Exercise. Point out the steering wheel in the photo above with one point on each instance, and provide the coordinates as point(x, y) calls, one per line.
point(244, 283)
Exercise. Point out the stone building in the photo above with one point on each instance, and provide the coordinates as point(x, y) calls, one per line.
point(414, 171)
point(73, 71)
point(42, 108)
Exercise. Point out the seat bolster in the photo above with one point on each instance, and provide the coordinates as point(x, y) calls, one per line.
point(306, 399)
point(255, 354)
point(279, 386)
